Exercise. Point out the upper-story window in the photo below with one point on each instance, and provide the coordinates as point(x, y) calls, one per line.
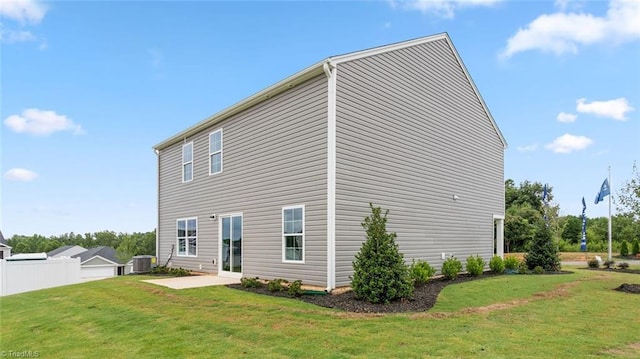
point(215, 152)
point(187, 162)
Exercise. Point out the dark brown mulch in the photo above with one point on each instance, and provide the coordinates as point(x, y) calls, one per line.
point(617, 270)
point(629, 288)
point(424, 297)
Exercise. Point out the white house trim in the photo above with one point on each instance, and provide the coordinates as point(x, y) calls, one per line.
point(498, 220)
point(331, 71)
point(101, 265)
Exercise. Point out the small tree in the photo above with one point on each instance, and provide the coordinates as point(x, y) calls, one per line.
point(624, 249)
point(543, 252)
point(635, 247)
point(379, 272)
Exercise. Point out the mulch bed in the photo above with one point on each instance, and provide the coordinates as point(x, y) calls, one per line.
point(629, 288)
point(424, 297)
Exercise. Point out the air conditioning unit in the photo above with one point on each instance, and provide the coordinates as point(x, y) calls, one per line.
point(142, 264)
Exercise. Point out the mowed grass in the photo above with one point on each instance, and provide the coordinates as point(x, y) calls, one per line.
point(545, 316)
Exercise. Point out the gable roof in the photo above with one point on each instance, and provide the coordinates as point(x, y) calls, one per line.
point(3, 242)
point(62, 249)
point(313, 71)
point(105, 252)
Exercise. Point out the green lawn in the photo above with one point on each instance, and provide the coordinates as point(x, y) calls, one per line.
point(550, 316)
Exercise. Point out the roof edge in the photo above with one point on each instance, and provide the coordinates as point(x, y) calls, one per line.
point(386, 48)
point(103, 258)
point(269, 92)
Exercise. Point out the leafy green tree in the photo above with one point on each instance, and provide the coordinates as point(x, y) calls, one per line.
point(379, 272)
point(543, 252)
point(520, 226)
point(572, 229)
point(629, 195)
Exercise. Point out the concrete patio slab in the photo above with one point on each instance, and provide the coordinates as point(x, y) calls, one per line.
point(195, 281)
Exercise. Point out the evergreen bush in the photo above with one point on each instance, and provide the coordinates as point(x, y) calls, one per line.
point(624, 249)
point(511, 263)
point(635, 247)
point(475, 265)
point(420, 271)
point(451, 267)
point(496, 264)
point(543, 252)
point(379, 272)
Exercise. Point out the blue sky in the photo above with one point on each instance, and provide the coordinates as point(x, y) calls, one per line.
point(87, 88)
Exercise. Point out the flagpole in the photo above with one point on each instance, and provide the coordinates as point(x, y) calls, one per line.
point(610, 194)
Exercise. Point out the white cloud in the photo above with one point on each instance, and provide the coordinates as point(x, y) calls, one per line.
point(565, 32)
point(442, 8)
point(20, 174)
point(24, 11)
point(616, 109)
point(568, 143)
point(13, 36)
point(41, 123)
point(566, 117)
point(528, 148)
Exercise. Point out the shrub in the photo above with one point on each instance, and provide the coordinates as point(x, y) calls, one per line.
point(593, 263)
point(276, 285)
point(496, 264)
point(624, 249)
point(511, 263)
point(543, 252)
point(173, 272)
point(379, 272)
point(608, 264)
point(295, 289)
point(538, 270)
point(475, 265)
point(635, 247)
point(250, 282)
point(451, 267)
point(522, 268)
point(420, 271)
point(623, 265)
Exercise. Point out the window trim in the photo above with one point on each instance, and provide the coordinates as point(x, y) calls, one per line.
point(188, 162)
point(284, 235)
point(186, 238)
point(211, 154)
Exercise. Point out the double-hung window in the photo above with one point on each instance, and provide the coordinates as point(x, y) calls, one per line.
point(215, 152)
point(293, 234)
point(187, 162)
point(187, 237)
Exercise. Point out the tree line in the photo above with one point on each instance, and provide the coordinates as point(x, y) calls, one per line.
point(525, 210)
point(126, 245)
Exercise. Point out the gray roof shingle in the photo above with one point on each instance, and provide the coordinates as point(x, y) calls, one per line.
point(102, 251)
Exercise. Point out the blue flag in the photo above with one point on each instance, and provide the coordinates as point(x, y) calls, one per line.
point(604, 191)
point(545, 195)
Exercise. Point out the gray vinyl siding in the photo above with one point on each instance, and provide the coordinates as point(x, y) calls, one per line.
point(274, 155)
point(411, 133)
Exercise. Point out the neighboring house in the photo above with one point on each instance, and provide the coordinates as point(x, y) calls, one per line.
point(69, 250)
point(277, 186)
point(5, 249)
point(100, 262)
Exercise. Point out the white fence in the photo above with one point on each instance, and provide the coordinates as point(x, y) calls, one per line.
point(24, 276)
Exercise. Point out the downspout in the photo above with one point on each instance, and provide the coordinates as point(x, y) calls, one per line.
point(330, 71)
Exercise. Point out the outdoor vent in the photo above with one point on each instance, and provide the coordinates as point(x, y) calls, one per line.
point(142, 264)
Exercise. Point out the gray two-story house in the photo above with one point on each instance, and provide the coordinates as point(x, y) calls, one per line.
point(277, 185)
